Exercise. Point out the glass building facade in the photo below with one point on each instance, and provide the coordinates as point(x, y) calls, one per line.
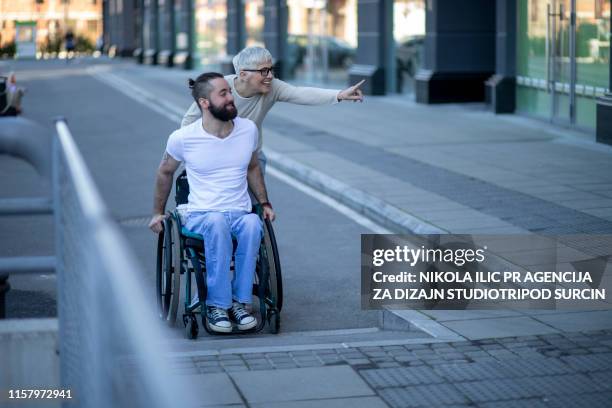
point(409, 37)
point(321, 40)
point(544, 58)
point(210, 32)
point(563, 63)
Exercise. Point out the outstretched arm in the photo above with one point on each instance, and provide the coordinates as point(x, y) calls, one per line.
point(258, 187)
point(302, 95)
point(163, 184)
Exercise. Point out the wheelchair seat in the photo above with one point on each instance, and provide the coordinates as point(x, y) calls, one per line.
point(192, 239)
point(196, 241)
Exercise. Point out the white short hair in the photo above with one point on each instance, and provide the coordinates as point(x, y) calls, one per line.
point(250, 58)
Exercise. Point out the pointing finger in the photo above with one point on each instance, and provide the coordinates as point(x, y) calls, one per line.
point(357, 85)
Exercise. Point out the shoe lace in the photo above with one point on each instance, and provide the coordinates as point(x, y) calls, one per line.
point(239, 311)
point(217, 313)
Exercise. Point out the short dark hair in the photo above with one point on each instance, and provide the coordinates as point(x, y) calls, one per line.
point(201, 87)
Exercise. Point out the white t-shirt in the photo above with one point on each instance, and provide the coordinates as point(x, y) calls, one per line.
point(216, 168)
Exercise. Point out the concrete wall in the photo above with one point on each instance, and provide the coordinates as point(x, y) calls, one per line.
point(29, 354)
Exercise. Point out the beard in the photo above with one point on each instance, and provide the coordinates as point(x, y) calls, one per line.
point(223, 113)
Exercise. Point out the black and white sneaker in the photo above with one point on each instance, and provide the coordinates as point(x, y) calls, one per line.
point(217, 320)
point(244, 320)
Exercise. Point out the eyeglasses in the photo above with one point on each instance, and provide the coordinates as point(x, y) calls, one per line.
point(264, 71)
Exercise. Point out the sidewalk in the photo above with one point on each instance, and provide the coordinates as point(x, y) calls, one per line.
point(555, 370)
point(456, 169)
point(417, 169)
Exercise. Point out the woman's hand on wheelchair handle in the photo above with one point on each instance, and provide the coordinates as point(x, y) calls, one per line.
point(268, 213)
point(156, 224)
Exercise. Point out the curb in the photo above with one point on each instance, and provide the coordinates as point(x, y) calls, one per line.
point(372, 207)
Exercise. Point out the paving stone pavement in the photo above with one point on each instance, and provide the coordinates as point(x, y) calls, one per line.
point(554, 370)
point(488, 198)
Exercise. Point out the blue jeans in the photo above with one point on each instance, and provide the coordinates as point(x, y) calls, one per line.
point(218, 228)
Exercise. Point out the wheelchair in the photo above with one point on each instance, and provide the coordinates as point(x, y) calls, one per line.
point(180, 253)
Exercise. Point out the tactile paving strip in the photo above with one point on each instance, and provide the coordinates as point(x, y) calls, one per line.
point(524, 403)
point(496, 390)
point(595, 400)
point(472, 371)
point(400, 377)
point(423, 396)
point(562, 385)
point(590, 362)
point(535, 367)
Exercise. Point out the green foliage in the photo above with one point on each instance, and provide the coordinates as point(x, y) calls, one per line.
point(83, 45)
point(52, 45)
point(55, 45)
point(8, 50)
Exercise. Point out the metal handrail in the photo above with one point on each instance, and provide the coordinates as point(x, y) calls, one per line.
point(90, 199)
point(30, 142)
point(109, 335)
point(109, 339)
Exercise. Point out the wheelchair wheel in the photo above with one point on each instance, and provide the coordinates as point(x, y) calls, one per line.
point(275, 279)
point(191, 327)
point(273, 322)
point(168, 275)
point(164, 273)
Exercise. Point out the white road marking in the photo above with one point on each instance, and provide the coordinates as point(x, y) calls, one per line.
point(138, 94)
point(327, 200)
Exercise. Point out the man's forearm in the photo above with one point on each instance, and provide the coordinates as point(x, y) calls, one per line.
point(163, 184)
point(257, 185)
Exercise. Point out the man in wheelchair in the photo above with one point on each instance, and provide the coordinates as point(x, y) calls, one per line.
point(220, 156)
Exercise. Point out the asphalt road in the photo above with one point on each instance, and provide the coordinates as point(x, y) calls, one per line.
point(122, 141)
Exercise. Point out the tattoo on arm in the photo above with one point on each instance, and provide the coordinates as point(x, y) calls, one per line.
point(165, 157)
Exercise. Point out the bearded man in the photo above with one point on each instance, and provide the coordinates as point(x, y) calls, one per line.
point(220, 155)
